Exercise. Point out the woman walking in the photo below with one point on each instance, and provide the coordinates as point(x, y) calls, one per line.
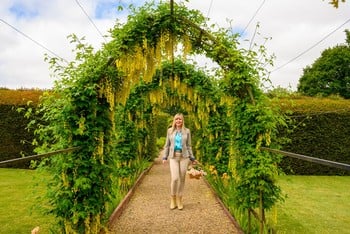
point(179, 151)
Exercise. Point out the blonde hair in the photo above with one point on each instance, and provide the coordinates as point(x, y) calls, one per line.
point(174, 121)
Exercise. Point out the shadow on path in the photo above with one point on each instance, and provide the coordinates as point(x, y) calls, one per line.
point(147, 208)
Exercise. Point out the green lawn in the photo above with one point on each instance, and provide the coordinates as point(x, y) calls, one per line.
point(315, 204)
point(18, 200)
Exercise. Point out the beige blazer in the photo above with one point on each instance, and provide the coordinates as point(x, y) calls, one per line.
point(170, 144)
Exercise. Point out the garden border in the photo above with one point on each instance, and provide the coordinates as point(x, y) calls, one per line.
point(122, 205)
point(226, 211)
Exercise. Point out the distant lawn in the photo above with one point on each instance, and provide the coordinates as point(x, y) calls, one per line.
point(19, 189)
point(315, 204)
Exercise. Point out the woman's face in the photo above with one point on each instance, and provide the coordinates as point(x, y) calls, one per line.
point(178, 121)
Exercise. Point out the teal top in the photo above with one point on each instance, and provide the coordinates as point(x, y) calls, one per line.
point(178, 141)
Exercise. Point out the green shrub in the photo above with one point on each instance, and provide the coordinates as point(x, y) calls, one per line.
point(15, 138)
point(320, 128)
point(161, 142)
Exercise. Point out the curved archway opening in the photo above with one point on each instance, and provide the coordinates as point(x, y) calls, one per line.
point(109, 99)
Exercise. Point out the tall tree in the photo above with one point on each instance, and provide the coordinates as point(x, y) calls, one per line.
point(329, 74)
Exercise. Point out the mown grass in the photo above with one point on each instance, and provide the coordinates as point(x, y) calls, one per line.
point(20, 208)
point(314, 204)
point(22, 191)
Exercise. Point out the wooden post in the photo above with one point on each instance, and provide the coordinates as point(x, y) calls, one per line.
point(249, 223)
point(171, 7)
point(262, 218)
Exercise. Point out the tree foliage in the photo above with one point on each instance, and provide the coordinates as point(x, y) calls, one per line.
point(329, 74)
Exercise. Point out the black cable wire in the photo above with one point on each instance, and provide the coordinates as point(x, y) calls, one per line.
point(251, 19)
point(211, 4)
point(310, 48)
point(36, 42)
point(81, 7)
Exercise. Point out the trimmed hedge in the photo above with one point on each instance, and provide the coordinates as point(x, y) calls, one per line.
point(20, 96)
point(15, 139)
point(322, 130)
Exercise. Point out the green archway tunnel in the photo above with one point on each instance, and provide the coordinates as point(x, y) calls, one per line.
point(137, 75)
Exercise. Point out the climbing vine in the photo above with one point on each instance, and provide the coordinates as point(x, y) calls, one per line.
point(107, 102)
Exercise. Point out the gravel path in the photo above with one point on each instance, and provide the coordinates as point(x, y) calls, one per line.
point(148, 210)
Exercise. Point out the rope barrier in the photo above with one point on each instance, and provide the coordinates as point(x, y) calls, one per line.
point(33, 157)
point(310, 159)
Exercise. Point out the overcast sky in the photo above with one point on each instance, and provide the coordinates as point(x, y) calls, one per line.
point(299, 32)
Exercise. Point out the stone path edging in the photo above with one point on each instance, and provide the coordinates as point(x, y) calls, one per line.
point(122, 205)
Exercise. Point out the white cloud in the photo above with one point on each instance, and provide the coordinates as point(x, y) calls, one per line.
point(294, 27)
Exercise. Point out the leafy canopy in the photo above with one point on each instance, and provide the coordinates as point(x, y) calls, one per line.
point(329, 74)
